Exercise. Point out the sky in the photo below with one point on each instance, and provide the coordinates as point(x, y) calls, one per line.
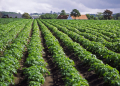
point(45, 6)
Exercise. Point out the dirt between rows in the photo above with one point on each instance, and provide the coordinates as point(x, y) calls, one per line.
point(55, 78)
point(19, 78)
point(92, 78)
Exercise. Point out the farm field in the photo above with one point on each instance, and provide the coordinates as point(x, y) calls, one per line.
point(59, 52)
point(4, 21)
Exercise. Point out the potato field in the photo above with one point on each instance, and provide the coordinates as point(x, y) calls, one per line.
point(49, 52)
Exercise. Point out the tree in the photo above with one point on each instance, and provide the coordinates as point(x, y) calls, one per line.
point(26, 16)
point(91, 17)
point(116, 16)
point(95, 18)
point(99, 15)
point(55, 16)
point(101, 18)
point(107, 14)
point(88, 16)
point(63, 12)
point(75, 13)
point(48, 16)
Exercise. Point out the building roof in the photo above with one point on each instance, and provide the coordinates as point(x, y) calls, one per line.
point(66, 17)
point(15, 15)
point(80, 17)
point(62, 17)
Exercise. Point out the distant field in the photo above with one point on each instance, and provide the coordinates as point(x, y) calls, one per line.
point(8, 20)
point(59, 52)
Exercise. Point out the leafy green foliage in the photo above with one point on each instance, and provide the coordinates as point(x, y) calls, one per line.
point(75, 13)
point(49, 16)
point(36, 64)
point(94, 47)
point(107, 14)
point(63, 12)
point(5, 21)
point(26, 16)
point(66, 66)
point(109, 73)
point(91, 17)
point(10, 62)
point(8, 32)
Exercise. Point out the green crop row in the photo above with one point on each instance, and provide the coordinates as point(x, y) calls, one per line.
point(115, 46)
point(87, 26)
point(107, 28)
point(9, 36)
point(86, 29)
point(4, 21)
point(10, 62)
point(35, 63)
point(66, 66)
point(111, 75)
point(95, 47)
point(6, 28)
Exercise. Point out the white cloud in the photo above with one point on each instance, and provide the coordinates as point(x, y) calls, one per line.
point(46, 6)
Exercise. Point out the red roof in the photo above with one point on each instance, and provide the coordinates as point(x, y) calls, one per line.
point(66, 16)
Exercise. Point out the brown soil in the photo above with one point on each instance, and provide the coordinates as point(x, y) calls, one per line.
point(92, 78)
point(1, 53)
point(54, 79)
point(20, 79)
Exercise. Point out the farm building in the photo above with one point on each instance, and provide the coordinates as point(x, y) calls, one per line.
point(12, 16)
point(82, 17)
point(5, 16)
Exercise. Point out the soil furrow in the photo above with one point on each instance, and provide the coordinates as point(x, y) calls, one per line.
point(92, 78)
point(55, 78)
point(20, 79)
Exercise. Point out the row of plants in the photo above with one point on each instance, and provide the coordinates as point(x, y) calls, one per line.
point(108, 28)
point(6, 28)
point(8, 37)
point(87, 27)
point(4, 21)
point(114, 46)
point(94, 47)
point(36, 66)
point(69, 73)
point(110, 74)
point(10, 62)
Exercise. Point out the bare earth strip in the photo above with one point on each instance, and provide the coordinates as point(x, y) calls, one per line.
point(54, 79)
point(92, 78)
point(20, 77)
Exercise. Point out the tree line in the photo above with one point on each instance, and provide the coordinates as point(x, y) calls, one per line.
point(106, 15)
point(48, 16)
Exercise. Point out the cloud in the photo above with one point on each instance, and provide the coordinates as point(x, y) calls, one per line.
point(45, 6)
